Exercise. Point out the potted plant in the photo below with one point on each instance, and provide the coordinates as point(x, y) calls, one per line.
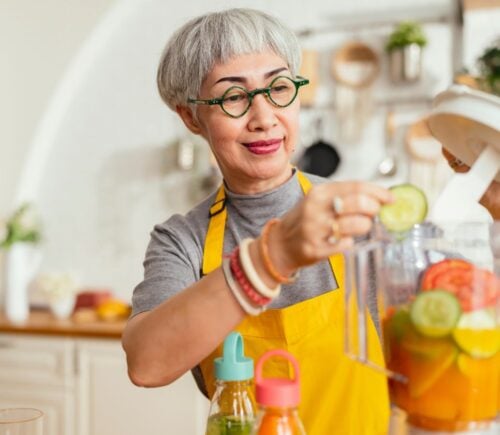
point(489, 69)
point(19, 236)
point(22, 226)
point(404, 47)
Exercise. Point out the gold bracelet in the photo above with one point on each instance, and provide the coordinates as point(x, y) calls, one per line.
point(264, 252)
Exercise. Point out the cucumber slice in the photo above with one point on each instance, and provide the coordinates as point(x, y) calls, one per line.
point(435, 313)
point(409, 208)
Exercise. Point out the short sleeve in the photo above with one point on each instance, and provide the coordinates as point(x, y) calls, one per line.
point(171, 264)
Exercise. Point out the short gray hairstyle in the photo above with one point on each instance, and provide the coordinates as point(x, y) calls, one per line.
point(216, 37)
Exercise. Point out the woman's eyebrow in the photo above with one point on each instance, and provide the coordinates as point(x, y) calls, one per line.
point(239, 79)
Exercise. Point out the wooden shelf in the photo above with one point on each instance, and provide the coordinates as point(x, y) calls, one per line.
point(43, 323)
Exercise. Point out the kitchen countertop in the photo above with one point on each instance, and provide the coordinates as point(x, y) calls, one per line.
point(42, 322)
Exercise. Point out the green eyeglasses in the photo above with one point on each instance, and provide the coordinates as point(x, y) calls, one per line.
point(236, 101)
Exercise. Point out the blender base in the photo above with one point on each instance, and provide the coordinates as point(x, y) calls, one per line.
point(399, 426)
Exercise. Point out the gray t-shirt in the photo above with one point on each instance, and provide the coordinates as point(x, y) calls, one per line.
point(174, 254)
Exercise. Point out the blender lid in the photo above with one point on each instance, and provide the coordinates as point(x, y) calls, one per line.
point(465, 121)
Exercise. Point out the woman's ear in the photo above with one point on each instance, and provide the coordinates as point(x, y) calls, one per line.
point(189, 120)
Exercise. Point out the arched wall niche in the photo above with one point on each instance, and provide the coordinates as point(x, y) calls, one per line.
point(102, 167)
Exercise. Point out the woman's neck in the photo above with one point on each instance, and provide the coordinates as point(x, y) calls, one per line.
point(244, 187)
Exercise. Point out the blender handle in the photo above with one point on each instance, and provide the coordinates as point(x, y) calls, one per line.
point(355, 302)
point(356, 321)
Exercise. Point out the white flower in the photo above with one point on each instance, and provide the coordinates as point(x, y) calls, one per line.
point(3, 230)
point(57, 285)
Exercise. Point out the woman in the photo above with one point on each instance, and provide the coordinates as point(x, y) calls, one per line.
point(232, 78)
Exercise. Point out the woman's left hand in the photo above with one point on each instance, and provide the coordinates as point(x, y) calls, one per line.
point(491, 198)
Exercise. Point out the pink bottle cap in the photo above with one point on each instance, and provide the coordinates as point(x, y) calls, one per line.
point(277, 392)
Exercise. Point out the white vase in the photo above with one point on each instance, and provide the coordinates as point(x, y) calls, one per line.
point(21, 265)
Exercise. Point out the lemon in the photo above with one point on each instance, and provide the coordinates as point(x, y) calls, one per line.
point(113, 309)
point(478, 334)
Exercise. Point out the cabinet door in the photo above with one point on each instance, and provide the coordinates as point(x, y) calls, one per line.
point(109, 404)
point(57, 405)
point(38, 372)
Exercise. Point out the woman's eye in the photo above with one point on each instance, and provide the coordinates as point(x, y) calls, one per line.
point(279, 88)
point(234, 98)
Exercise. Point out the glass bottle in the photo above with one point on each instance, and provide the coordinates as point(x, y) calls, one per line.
point(278, 400)
point(233, 408)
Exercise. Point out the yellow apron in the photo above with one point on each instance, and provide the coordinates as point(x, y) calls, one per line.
point(338, 395)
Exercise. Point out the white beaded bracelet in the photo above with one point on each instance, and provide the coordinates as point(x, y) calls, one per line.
point(251, 273)
point(236, 291)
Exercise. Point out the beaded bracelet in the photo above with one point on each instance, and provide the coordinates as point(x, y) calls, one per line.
point(251, 273)
point(243, 282)
point(264, 252)
point(236, 291)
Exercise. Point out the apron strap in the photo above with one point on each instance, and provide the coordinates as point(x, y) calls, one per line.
point(214, 241)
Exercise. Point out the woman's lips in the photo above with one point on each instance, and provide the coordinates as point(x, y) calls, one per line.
point(264, 146)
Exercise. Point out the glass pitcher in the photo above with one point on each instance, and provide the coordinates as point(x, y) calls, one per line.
point(434, 296)
point(21, 421)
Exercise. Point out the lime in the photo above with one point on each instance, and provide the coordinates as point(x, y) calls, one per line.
point(477, 333)
point(399, 324)
point(408, 209)
point(435, 313)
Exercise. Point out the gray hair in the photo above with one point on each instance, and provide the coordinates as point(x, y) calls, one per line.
point(196, 47)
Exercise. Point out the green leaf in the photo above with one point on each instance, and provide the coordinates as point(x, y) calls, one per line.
point(406, 33)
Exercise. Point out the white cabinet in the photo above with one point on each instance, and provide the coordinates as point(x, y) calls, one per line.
point(109, 404)
point(83, 388)
point(38, 372)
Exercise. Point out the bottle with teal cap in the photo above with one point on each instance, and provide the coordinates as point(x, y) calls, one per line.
point(233, 407)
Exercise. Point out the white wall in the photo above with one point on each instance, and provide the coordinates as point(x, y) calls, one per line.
point(110, 169)
point(37, 41)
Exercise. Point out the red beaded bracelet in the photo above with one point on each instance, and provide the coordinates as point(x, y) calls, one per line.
point(243, 281)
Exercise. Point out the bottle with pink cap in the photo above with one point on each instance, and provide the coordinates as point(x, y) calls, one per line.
point(278, 399)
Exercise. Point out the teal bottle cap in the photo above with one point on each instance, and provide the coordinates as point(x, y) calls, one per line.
point(233, 365)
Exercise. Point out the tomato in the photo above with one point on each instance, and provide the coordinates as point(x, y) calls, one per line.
point(474, 287)
point(428, 281)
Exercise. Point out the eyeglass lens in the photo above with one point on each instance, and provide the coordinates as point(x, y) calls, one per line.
point(281, 93)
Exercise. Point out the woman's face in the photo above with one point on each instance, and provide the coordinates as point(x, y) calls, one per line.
point(253, 152)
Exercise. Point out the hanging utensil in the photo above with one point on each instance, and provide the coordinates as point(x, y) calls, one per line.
point(321, 158)
point(388, 166)
point(427, 168)
point(310, 69)
point(354, 67)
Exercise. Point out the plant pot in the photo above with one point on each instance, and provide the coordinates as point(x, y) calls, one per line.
point(405, 64)
point(20, 267)
point(63, 307)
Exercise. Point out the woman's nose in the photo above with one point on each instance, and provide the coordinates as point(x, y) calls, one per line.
point(262, 116)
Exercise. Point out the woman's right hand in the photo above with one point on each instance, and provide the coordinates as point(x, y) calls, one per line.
point(325, 222)
point(491, 198)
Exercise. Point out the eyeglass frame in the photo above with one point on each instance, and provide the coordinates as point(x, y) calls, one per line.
point(298, 82)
